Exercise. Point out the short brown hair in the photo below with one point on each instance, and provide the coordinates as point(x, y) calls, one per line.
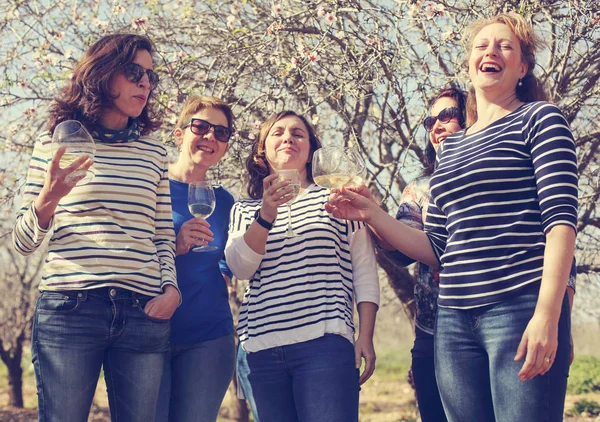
point(87, 94)
point(195, 103)
point(257, 165)
point(532, 88)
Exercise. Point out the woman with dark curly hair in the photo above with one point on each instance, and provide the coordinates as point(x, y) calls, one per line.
point(109, 286)
point(296, 323)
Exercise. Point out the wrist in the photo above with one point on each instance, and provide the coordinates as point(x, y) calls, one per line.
point(267, 216)
point(263, 222)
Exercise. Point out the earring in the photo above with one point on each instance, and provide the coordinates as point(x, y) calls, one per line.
point(520, 82)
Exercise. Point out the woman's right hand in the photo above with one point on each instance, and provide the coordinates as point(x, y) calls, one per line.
point(194, 232)
point(352, 204)
point(56, 186)
point(275, 193)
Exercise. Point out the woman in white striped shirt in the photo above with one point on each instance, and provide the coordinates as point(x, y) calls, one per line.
point(296, 323)
point(501, 227)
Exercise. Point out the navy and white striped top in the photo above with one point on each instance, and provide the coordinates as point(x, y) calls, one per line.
point(116, 230)
point(304, 286)
point(495, 194)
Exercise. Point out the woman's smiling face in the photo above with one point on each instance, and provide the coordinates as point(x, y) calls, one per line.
point(495, 61)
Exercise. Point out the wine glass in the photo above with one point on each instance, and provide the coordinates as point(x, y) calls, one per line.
point(201, 203)
point(294, 178)
point(73, 135)
point(336, 167)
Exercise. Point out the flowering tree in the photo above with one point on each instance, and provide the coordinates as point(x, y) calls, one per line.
point(362, 70)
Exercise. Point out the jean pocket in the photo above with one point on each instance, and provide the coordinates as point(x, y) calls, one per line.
point(140, 303)
point(62, 302)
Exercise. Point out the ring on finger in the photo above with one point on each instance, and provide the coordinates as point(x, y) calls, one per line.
point(547, 359)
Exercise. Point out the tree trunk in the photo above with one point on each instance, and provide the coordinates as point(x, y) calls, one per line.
point(401, 281)
point(15, 378)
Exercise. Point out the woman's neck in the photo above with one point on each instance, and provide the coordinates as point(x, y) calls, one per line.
point(113, 120)
point(187, 172)
point(491, 108)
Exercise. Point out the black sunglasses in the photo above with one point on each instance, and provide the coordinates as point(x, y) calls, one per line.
point(201, 127)
point(134, 73)
point(445, 116)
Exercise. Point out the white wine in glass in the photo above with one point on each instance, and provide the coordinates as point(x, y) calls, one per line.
point(78, 141)
point(294, 178)
point(337, 167)
point(201, 203)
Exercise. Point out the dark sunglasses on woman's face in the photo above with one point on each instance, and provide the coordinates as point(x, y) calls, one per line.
point(201, 127)
point(134, 73)
point(445, 116)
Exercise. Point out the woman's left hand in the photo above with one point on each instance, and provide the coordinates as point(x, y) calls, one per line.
point(363, 348)
point(163, 306)
point(538, 345)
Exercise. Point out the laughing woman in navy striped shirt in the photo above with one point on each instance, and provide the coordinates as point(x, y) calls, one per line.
point(296, 323)
point(501, 227)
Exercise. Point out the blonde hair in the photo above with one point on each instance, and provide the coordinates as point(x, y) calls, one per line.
point(196, 103)
point(531, 88)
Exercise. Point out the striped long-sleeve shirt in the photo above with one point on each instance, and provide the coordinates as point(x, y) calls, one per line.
point(494, 196)
point(116, 230)
point(304, 286)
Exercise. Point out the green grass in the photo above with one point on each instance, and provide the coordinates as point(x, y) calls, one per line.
point(392, 364)
point(591, 407)
point(584, 376)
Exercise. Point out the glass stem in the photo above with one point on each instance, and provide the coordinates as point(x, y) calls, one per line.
point(289, 230)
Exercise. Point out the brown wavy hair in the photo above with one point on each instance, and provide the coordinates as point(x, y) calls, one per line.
point(532, 89)
point(257, 164)
point(87, 94)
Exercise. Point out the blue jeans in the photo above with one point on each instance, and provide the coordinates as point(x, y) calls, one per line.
point(196, 380)
point(76, 333)
point(476, 371)
point(242, 373)
point(312, 381)
point(423, 370)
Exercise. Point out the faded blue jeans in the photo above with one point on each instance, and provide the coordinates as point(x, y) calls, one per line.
point(195, 380)
point(312, 381)
point(475, 368)
point(76, 333)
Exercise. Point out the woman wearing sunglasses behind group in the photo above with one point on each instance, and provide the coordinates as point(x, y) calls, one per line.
point(108, 287)
point(202, 357)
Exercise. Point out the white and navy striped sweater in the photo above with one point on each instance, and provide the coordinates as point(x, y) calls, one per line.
point(494, 196)
point(303, 287)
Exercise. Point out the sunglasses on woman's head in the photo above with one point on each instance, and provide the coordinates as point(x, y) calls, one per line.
point(134, 73)
point(201, 127)
point(445, 116)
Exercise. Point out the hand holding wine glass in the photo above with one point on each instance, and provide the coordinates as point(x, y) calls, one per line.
point(72, 138)
point(201, 203)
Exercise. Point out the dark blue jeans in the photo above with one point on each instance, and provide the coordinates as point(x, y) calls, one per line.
point(76, 333)
point(423, 370)
point(242, 373)
point(312, 381)
point(195, 380)
point(476, 371)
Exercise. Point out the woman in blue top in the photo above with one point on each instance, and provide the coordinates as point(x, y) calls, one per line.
point(501, 228)
point(202, 344)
